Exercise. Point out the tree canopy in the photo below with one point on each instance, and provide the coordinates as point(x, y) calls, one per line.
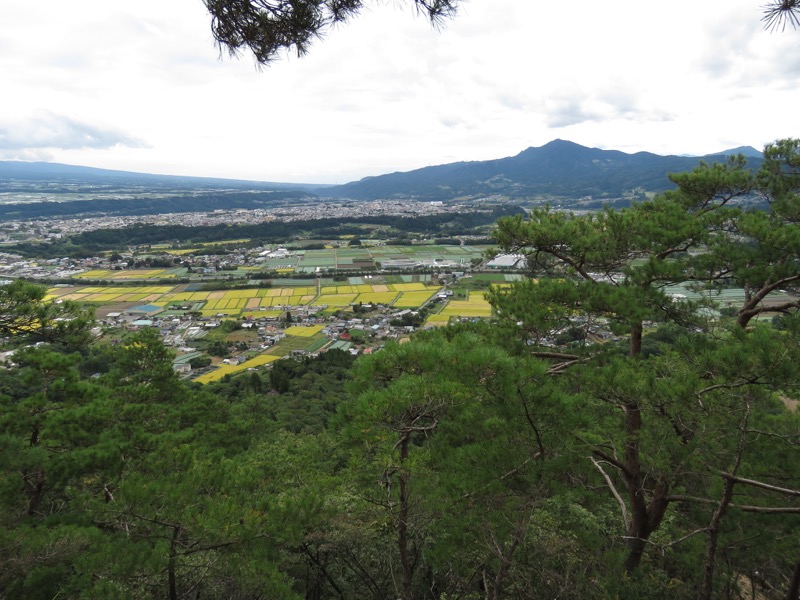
point(267, 27)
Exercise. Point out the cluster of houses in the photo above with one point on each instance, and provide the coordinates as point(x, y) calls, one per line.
point(345, 330)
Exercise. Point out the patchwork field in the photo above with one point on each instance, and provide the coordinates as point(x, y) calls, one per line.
point(253, 301)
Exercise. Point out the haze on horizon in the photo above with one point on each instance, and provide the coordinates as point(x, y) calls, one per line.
point(141, 87)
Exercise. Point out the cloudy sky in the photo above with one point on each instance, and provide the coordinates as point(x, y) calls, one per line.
point(139, 86)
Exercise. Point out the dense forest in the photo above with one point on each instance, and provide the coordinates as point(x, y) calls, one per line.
point(602, 437)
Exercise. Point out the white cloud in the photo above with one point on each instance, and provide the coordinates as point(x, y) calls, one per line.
point(141, 86)
point(47, 131)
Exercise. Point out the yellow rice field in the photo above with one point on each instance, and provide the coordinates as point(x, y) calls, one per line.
point(233, 302)
point(304, 331)
point(409, 287)
point(126, 274)
point(261, 359)
point(180, 251)
point(377, 297)
point(476, 305)
point(413, 299)
point(335, 299)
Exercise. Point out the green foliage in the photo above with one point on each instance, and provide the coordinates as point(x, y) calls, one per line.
point(199, 362)
point(229, 326)
point(27, 317)
point(679, 402)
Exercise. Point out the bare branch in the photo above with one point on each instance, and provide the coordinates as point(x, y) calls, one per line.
point(790, 510)
point(623, 509)
point(760, 484)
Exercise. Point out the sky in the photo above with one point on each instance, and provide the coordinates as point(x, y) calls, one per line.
point(140, 86)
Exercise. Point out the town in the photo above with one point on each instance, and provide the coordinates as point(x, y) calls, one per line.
point(230, 305)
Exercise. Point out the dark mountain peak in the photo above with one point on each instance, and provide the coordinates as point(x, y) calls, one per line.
point(748, 151)
point(558, 169)
point(555, 146)
point(564, 151)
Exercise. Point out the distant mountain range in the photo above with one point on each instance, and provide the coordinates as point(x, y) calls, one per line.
point(557, 170)
point(16, 173)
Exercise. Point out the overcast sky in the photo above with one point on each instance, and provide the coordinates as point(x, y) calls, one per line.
point(139, 86)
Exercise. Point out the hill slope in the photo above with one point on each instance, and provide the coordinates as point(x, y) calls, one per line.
point(557, 169)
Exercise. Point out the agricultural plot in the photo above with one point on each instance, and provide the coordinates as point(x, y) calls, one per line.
point(415, 278)
point(498, 277)
point(413, 299)
point(282, 264)
point(353, 258)
point(458, 254)
point(220, 372)
point(402, 293)
point(437, 320)
point(303, 331)
point(335, 300)
point(377, 297)
point(308, 263)
point(476, 305)
point(128, 274)
point(399, 295)
point(297, 342)
point(298, 338)
point(409, 287)
point(110, 295)
point(179, 251)
point(225, 242)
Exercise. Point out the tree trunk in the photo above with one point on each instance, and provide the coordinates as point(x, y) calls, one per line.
point(636, 339)
point(173, 585)
point(638, 529)
point(794, 584)
point(645, 519)
point(402, 523)
point(37, 492)
point(646, 516)
point(713, 538)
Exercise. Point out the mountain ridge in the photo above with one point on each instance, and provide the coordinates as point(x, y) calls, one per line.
point(558, 169)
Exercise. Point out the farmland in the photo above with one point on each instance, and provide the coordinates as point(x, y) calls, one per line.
point(250, 301)
point(285, 301)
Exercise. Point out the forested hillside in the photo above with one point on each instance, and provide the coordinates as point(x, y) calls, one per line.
point(558, 170)
point(603, 437)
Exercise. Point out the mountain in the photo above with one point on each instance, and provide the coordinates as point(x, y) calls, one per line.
point(52, 190)
point(14, 174)
point(559, 169)
point(747, 151)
